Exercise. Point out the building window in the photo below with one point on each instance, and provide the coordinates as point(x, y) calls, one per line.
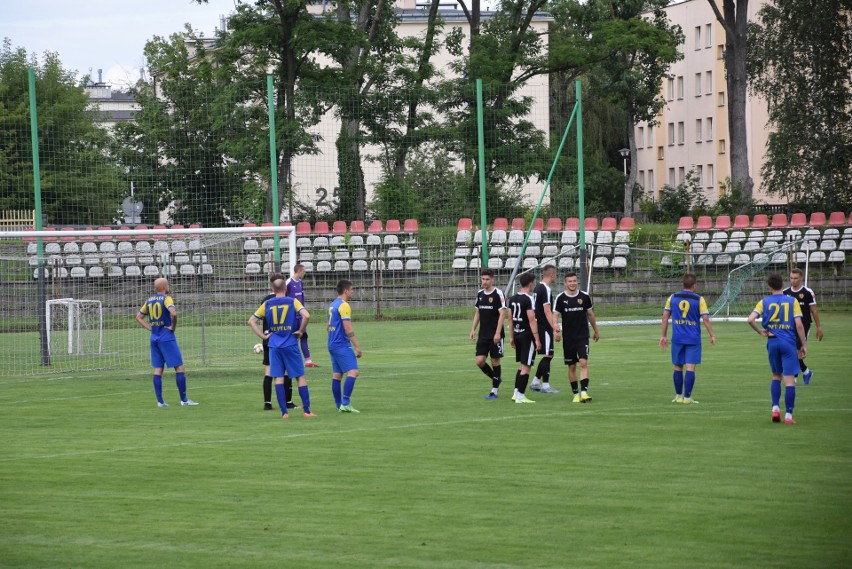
point(699, 174)
point(710, 176)
point(720, 51)
point(721, 98)
point(641, 179)
point(709, 131)
point(698, 84)
point(681, 133)
point(697, 37)
point(698, 135)
point(708, 82)
point(650, 179)
point(670, 89)
point(650, 140)
point(671, 134)
point(721, 146)
point(681, 175)
point(708, 31)
point(672, 182)
point(680, 87)
point(660, 153)
point(640, 138)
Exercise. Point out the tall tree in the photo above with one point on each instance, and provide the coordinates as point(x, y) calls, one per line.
point(800, 62)
point(79, 185)
point(734, 19)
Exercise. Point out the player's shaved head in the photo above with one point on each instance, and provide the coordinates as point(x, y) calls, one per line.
point(549, 270)
point(278, 285)
point(161, 285)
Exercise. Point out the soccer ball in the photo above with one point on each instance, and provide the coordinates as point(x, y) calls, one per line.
point(258, 348)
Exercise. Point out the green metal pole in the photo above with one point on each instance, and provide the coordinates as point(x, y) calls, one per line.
point(42, 285)
point(584, 261)
point(273, 168)
point(483, 214)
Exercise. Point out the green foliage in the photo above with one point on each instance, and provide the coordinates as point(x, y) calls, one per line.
point(687, 198)
point(734, 201)
point(77, 178)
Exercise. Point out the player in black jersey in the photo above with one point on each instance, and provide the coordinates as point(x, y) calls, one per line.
point(576, 309)
point(544, 317)
point(489, 316)
point(523, 335)
point(807, 302)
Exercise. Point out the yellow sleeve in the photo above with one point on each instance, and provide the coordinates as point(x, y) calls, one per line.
point(260, 312)
point(759, 307)
point(344, 311)
point(702, 307)
point(797, 310)
point(298, 305)
point(169, 304)
point(668, 304)
point(144, 309)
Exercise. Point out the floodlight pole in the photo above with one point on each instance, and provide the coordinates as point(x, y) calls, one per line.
point(480, 131)
point(584, 261)
point(273, 169)
point(42, 292)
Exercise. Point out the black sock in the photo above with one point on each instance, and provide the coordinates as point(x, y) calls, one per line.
point(518, 380)
point(584, 384)
point(803, 366)
point(574, 388)
point(524, 380)
point(267, 389)
point(543, 371)
point(288, 388)
point(495, 380)
point(486, 369)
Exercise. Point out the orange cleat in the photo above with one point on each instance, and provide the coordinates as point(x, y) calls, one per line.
point(311, 414)
point(776, 416)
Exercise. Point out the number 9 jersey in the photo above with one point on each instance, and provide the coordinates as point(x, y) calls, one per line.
point(686, 308)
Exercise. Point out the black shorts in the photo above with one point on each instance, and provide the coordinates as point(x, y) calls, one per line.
point(807, 328)
point(266, 352)
point(546, 337)
point(487, 347)
point(525, 350)
point(575, 350)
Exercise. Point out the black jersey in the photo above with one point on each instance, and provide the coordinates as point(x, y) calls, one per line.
point(574, 309)
point(805, 297)
point(489, 305)
point(263, 325)
point(519, 305)
point(542, 295)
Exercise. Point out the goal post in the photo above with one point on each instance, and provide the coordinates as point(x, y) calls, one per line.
point(74, 325)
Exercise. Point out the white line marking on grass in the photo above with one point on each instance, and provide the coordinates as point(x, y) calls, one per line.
point(111, 394)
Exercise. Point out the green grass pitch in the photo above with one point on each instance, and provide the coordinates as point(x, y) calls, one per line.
point(431, 475)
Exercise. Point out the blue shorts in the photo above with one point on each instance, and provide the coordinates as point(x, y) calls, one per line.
point(343, 359)
point(783, 358)
point(686, 354)
point(286, 359)
point(165, 353)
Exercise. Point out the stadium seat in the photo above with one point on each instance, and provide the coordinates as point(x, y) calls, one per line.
point(412, 265)
point(591, 224)
point(838, 257)
point(324, 255)
point(394, 253)
point(67, 238)
point(305, 255)
point(253, 269)
point(341, 254)
point(622, 236)
point(323, 266)
point(499, 251)
point(532, 251)
point(463, 252)
point(495, 263)
point(779, 258)
point(705, 223)
point(572, 224)
point(627, 224)
point(723, 260)
point(737, 236)
point(849, 222)
point(125, 237)
point(818, 257)
point(779, 220)
point(828, 245)
point(519, 223)
point(733, 247)
point(714, 247)
point(600, 263)
point(153, 271)
point(475, 263)
point(845, 245)
point(359, 265)
point(756, 235)
point(375, 227)
point(516, 237)
point(603, 251)
point(742, 259)
point(133, 271)
point(621, 250)
point(817, 219)
point(501, 223)
point(374, 240)
point(115, 271)
point(463, 236)
point(498, 237)
point(535, 236)
point(538, 224)
point(589, 236)
point(391, 239)
point(303, 229)
point(699, 248)
point(740, 222)
point(720, 236)
point(459, 263)
point(569, 237)
point(511, 263)
point(554, 225)
point(794, 235)
point(393, 226)
point(566, 263)
point(837, 218)
point(666, 261)
point(723, 223)
point(341, 266)
point(775, 235)
point(411, 253)
point(808, 245)
point(686, 223)
point(254, 258)
point(798, 220)
point(529, 263)
point(609, 224)
point(357, 227)
point(760, 221)
point(411, 226)
point(751, 246)
point(465, 224)
point(812, 234)
point(831, 233)
point(603, 237)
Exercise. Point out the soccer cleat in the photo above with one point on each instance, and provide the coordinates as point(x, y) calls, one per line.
point(188, 403)
point(285, 416)
point(524, 400)
point(348, 409)
point(678, 399)
point(807, 376)
point(689, 401)
point(790, 421)
point(585, 397)
point(549, 390)
point(310, 364)
point(491, 396)
point(576, 398)
point(268, 407)
point(311, 414)
point(776, 416)
point(163, 404)
point(535, 387)
point(291, 405)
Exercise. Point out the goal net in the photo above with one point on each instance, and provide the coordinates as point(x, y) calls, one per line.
point(74, 327)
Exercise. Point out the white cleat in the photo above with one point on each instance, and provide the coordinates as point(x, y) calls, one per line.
point(188, 403)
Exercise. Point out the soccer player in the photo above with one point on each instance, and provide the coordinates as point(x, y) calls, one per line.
point(296, 289)
point(523, 335)
point(267, 379)
point(343, 347)
point(808, 306)
point(161, 316)
point(781, 317)
point(686, 308)
point(576, 309)
point(489, 316)
point(284, 355)
point(546, 320)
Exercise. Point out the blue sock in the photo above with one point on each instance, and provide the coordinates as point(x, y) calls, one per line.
point(180, 379)
point(678, 381)
point(348, 388)
point(789, 397)
point(158, 388)
point(688, 383)
point(775, 390)
point(335, 390)
point(281, 396)
point(306, 398)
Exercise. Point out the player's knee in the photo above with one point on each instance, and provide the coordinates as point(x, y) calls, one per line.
point(480, 361)
point(352, 373)
point(180, 369)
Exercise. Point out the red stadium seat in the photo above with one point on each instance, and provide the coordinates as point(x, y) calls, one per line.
point(303, 228)
point(375, 227)
point(465, 224)
point(850, 218)
point(686, 223)
point(572, 224)
point(627, 224)
point(104, 237)
point(723, 223)
point(760, 221)
point(591, 224)
point(609, 224)
point(779, 220)
point(554, 224)
point(740, 222)
point(338, 228)
point(161, 237)
point(411, 226)
point(144, 235)
point(67, 237)
point(87, 237)
point(538, 224)
point(266, 224)
point(321, 228)
point(798, 220)
point(125, 237)
point(501, 224)
point(705, 223)
point(392, 226)
point(817, 219)
point(30, 239)
point(837, 218)
point(519, 223)
point(357, 226)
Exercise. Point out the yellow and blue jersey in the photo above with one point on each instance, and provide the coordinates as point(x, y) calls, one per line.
point(158, 311)
point(686, 308)
point(778, 315)
point(280, 315)
point(337, 313)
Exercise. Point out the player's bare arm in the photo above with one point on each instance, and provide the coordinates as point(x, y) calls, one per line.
point(475, 324)
point(557, 328)
point(594, 322)
point(254, 322)
point(706, 320)
point(350, 333)
point(306, 316)
point(142, 322)
point(752, 322)
point(664, 341)
point(815, 317)
point(173, 312)
point(500, 319)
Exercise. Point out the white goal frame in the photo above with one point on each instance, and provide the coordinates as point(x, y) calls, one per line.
point(75, 331)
